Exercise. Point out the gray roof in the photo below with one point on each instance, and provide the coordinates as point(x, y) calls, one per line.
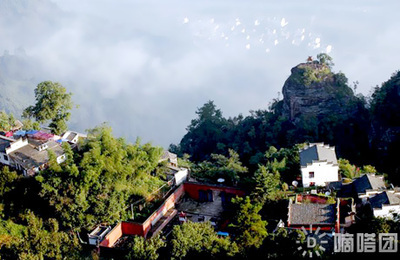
point(29, 157)
point(311, 213)
point(367, 182)
point(335, 185)
point(317, 152)
point(384, 198)
point(168, 155)
point(71, 136)
point(4, 143)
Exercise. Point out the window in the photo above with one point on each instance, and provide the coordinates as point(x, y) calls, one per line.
point(311, 175)
point(5, 157)
point(312, 184)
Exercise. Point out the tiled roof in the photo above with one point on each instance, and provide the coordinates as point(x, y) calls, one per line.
point(28, 156)
point(394, 199)
point(168, 155)
point(311, 214)
point(335, 185)
point(71, 136)
point(369, 181)
point(384, 198)
point(4, 143)
point(318, 152)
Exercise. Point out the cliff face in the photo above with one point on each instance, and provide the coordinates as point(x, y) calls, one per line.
point(313, 90)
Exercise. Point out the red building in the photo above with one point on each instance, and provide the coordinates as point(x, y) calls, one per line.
point(167, 211)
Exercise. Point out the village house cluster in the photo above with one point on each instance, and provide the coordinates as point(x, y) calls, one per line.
point(27, 151)
point(330, 204)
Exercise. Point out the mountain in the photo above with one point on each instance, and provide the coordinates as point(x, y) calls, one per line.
point(313, 90)
point(17, 82)
point(317, 106)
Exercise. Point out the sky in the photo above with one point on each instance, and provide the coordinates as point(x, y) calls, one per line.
point(145, 67)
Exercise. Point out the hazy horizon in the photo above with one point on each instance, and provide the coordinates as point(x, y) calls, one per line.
point(145, 67)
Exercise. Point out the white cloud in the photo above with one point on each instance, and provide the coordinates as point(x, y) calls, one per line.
point(283, 22)
point(146, 66)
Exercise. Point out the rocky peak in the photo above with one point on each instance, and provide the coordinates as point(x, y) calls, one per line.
point(313, 90)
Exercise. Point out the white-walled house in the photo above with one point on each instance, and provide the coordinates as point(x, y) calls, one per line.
point(28, 155)
point(386, 203)
point(368, 185)
point(72, 136)
point(319, 165)
point(170, 158)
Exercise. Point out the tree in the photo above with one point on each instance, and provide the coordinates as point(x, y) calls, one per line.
point(196, 240)
point(7, 121)
point(267, 185)
point(29, 124)
point(53, 104)
point(347, 170)
point(99, 182)
point(247, 224)
point(267, 177)
point(325, 59)
point(7, 179)
point(229, 168)
point(37, 239)
point(143, 249)
point(283, 243)
point(204, 133)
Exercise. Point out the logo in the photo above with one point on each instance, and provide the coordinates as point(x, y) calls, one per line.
point(314, 242)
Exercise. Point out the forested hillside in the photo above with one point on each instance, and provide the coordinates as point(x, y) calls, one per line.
point(318, 105)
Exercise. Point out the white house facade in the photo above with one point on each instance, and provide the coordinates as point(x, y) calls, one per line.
point(386, 211)
point(385, 204)
point(318, 165)
point(319, 173)
point(28, 156)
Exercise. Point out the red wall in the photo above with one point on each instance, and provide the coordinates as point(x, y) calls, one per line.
point(141, 229)
point(168, 204)
point(112, 236)
point(311, 198)
point(131, 228)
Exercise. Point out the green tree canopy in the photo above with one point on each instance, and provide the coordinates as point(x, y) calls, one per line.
point(204, 132)
point(7, 121)
point(197, 240)
point(53, 104)
point(229, 168)
point(146, 249)
point(325, 59)
point(35, 239)
point(98, 183)
point(248, 225)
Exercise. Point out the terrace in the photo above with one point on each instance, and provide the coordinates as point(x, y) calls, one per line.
point(189, 198)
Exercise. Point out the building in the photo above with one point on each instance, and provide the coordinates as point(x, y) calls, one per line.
point(28, 155)
point(174, 173)
point(188, 198)
point(368, 184)
point(170, 158)
point(177, 175)
point(312, 212)
point(385, 203)
point(319, 165)
point(5, 142)
point(72, 137)
point(98, 234)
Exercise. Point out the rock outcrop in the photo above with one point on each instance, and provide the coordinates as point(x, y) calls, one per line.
point(313, 90)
